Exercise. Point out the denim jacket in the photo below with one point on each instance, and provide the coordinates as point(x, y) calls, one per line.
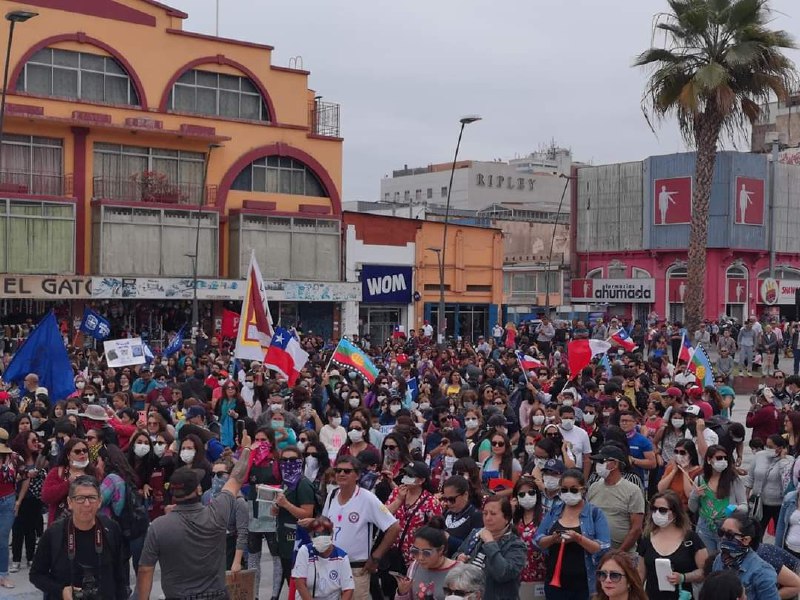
point(782, 526)
point(593, 526)
point(757, 576)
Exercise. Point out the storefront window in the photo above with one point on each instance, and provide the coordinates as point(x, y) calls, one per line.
point(378, 323)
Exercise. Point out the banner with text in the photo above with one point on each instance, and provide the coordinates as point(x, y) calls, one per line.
point(385, 284)
point(614, 291)
point(124, 352)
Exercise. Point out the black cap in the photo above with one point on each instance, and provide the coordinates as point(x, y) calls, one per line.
point(610, 452)
point(417, 469)
point(184, 482)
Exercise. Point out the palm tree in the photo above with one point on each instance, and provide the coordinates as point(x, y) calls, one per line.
point(720, 62)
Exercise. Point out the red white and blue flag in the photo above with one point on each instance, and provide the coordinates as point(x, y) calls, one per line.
point(528, 363)
point(285, 355)
point(686, 351)
point(622, 339)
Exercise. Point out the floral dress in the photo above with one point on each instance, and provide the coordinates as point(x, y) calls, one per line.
point(534, 569)
point(412, 518)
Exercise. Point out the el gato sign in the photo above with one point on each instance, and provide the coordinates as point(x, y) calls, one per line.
point(614, 291)
point(37, 287)
point(777, 291)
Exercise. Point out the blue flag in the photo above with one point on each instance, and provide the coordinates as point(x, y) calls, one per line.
point(43, 353)
point(413, 387)
point(148, 353)
point(604, 362)
point(175, 343)
point(95, 325)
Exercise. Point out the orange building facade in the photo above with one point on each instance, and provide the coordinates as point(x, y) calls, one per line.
point(135, 152)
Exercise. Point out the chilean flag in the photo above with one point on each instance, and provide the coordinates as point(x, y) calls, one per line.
point(686, 350)
point(285, 355)
point(528, 363)
point(581, 352)
point(621, 338)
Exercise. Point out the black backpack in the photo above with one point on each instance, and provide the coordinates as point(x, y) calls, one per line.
point(134, 520)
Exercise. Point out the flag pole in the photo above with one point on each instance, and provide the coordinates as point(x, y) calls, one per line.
point(330, 360)
point(522, 368)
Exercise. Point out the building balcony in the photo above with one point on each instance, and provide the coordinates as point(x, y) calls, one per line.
point(20, 183)
point(324, 119)
point(154, 188)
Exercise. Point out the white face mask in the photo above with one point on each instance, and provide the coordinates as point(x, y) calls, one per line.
point(187, 456)
point(719, 465)
point(538, 419)
point(571, 499)
point(608, 413)
point(449, 461)
point(425, 406)
point(471, 423)
point(394, 408)
point(567, 424)
point(528, 502)
point(141, 450)
point(336, 421)
point(408, 480)
point(677, 423)
point(275, 407)
point(90, 397)
point(312, 464)
point(589, 418)
point(602, 470)
point(529, 450)
point(567, 402)
point(354, 402)
point(682, 460)
point(72, 411)
point(158, 449)
point(97, 380)
point(551, 482)
point(249, 385)
point(80, 464)
point(80, 384)
point(355, 435)
point(344, 395)
point(301, 445)
point(660, 520)
point(322, 542)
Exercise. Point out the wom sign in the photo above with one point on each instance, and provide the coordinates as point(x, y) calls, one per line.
point(381, 284)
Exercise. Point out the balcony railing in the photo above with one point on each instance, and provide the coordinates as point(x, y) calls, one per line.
point(149, 187)
point(324, 118)
point(35, 184)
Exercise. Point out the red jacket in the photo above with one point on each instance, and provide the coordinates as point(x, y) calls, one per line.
point(766, 421)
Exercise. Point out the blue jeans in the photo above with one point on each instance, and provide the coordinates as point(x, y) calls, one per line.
point(6, 521)
point(709, 536)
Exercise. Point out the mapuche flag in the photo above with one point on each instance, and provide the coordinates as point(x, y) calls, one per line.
point(348, 355)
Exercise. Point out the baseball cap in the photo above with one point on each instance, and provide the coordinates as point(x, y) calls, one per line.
point(185, 481)
point(726, 391)
point(195, 411)
point(695, 392)
point(673, 391)
point(692, 409)
point(417, 469)
point(610, 452)
point(554, 465)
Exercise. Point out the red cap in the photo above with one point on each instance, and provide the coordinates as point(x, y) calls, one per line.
point(673, 391)
point(695, 392)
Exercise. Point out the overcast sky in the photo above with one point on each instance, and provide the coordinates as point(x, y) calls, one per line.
point(404, 72)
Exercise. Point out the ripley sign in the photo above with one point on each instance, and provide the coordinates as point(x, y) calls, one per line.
point(508, 183)
point(614, 291)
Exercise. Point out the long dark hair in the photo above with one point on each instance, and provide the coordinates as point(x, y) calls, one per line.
point(726, 478)
point(143, 467)
point(403, 454)
point(689, 446)
point(115, 462)
point(519, 512)
point(470, 467)
point(506, 461)
point(63, 458)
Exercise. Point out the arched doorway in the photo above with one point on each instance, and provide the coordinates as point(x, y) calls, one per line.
point(676, 293)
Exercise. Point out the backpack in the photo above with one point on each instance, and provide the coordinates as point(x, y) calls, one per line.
point(134, 519)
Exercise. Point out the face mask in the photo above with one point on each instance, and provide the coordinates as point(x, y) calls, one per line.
point(567, 402)
point(344, 395)
point(393, 454)
point(217, 483)
point(551, 482)
point(292, 472)
point(80, 385)
point(336, 421)
point(72, 411)
point(528, 502)
point(35, 422)
point(538, 419)
point(567, 424)
point(408, 480)
point(607, 413)
point(381, 398)
point(90, 397)
point(677, 423)
point(425, 406)
point(376, 426)
point(733, 552)
point(571, 499)
point(529, 450)
point(97, 381)
point(602, 470)
point(276, 424)
point(322, 542)
point(249, 385)
point(355, 435)
point(660, 520)
point(221, 381)
point(395, 385)
point(681, 460)
point(301, 445)
point(471, 423)
point(80, 464)
point(394, 408)
point(719, 465)
point(187, 456)
point(354, 402)
point(164, 363)
point(312, 465)
point(275, 407)
point(589, 418)
point(141, 450)
point(158, 449)
point(449, 461)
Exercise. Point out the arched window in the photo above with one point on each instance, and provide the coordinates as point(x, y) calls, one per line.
point(640, 273)
point(278, 175)
point(781, 273)
point(79, 75)
point(218, 94)
point(595, 274)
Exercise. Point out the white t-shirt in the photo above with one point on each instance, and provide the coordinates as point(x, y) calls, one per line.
point(709, 436)
point(579, 439)
point(351, 521)
point(332, 438)
point(326, 578)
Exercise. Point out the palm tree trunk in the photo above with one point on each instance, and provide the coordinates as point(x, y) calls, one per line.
point(707, 129)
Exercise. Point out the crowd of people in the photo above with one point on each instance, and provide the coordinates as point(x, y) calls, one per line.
point(454, 474)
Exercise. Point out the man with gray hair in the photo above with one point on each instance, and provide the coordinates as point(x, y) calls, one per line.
point(465, 581)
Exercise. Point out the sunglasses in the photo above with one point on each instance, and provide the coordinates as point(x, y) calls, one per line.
point(340, 471)
point(662, 510)
point(498, 444)
point(571, 490)
point(80, 451)
point(221, 474)
point(681, 453)
point(532, 494)
point(426, 552)
point(613, 576)
point(728, 535)
point(451, 592)
point(392, 447)
point(451, 499)
point(498, 403)
point(551, 435)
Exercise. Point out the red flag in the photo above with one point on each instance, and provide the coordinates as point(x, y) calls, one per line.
point(581, 352)
point(230, 323)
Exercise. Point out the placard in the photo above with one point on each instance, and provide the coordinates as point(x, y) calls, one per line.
point(241, 585)
point(672, 201)
point(124, 352)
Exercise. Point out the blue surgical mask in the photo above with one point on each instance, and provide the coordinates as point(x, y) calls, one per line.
point(276, 424)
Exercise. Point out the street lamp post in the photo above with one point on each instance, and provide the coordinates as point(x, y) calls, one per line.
point(442, 323)
point(552, 241)
point(203, 197)
point(13, 17)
